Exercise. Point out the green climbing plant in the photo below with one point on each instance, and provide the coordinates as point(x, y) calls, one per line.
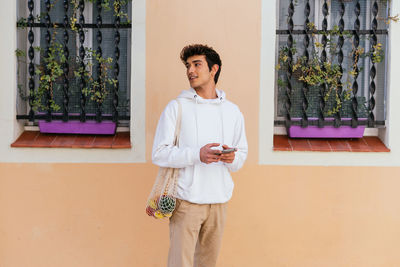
point(50, 71)
point(315, 72)
point(98, 88)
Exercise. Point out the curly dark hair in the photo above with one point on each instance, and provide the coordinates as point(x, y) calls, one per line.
point(211, 55)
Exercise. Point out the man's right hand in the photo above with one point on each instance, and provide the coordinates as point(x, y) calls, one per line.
point(208, 155)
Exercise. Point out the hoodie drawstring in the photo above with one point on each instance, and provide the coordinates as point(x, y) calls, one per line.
point(197, 126)
point(222, 122)
point(221, 116)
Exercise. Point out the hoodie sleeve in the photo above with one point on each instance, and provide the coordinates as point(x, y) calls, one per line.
point(165, 154)
point(240, 142)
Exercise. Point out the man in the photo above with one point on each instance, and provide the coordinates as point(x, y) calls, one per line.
point(210, 124)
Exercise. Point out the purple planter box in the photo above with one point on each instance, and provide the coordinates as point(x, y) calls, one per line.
point(77, 127)
point(327, 131)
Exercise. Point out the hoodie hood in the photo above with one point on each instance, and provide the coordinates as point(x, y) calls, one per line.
point(191, 94)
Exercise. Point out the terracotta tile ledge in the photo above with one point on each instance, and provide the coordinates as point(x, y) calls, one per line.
point(365, 144)
point(37, 139)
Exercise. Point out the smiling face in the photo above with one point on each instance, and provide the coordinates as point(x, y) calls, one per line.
point(198, 72)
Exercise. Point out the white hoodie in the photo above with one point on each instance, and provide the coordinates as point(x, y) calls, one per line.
point(204, 121)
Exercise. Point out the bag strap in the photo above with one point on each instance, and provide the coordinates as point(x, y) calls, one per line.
point(173, 176)
point(178, 124)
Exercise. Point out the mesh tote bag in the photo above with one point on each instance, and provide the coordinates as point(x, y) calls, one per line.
point(162, 199)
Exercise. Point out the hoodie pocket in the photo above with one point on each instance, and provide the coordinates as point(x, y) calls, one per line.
point(228, 183)
point(186, 177)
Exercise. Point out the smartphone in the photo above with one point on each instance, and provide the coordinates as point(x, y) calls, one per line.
point(229, 150)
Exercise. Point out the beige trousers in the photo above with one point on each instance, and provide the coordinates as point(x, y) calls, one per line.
point(196, 234)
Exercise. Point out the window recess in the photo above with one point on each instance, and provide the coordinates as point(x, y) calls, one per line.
point(74, 60)
point(349, 35)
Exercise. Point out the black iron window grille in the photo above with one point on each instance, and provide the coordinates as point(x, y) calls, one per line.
point(331, 63)
point(74, 60)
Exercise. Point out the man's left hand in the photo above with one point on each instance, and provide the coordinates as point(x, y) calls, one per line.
point(228, 157)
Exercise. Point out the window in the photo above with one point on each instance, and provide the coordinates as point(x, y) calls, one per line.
point(12, 128)
point(74, 60)
point(350, 35)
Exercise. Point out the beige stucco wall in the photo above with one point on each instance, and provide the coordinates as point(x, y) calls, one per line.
point(92, 215)
point(234, 32)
